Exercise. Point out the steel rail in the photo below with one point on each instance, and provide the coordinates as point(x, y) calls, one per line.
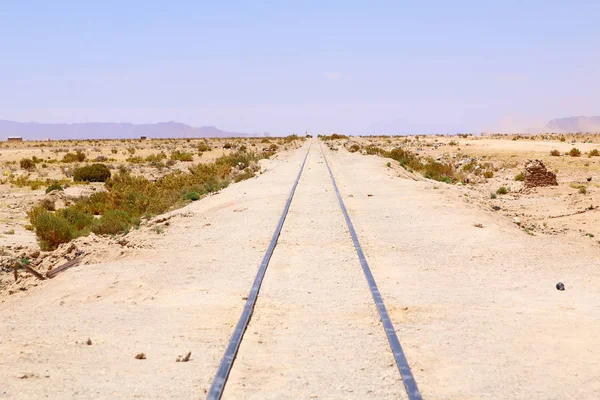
point(218, 385)
point(407, 377)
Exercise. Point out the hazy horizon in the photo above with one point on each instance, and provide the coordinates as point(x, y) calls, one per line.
point(435, 67)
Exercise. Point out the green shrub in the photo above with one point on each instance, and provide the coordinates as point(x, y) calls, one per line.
point(54, 186)
point(575, 152)
point(52, 230)
point(520, 177)
point(488, 174)
point(77, 218)
point(493, 196)
point(193, 196)
point(27, 164)
point(91, 173)
point(113, 222)
point(502, 190)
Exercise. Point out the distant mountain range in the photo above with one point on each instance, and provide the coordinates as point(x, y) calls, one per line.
point(574, 124)
point(110, 130)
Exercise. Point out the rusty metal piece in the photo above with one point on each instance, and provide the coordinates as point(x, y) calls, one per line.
point(31, 270)
point(52, 273)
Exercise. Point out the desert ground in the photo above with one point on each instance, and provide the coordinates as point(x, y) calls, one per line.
point(471, 289)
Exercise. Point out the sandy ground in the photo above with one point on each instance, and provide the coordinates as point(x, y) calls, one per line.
point(556, 210)
point(475, 308)
point(483, 319)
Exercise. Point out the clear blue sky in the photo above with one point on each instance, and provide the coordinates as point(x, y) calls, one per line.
point(285, 67)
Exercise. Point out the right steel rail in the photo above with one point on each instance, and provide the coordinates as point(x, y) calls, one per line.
point(407, 377)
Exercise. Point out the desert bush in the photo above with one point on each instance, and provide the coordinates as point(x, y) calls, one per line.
point(48, 204)
point(488, 174)
point(502, 190)
point(582, 189)
point(247, 174)
point(52, 230)
point(156, 157)
point(27, 164)
point(594, 153)
point(182, 156)
point(193, 196)
point(24, 180)
point(354, 148)
point(291, 138)
point(493, 195)
point(92, 173)
point(555, 153)
point(74, 157)
point(128, 197)
point(54, 186)
point(469, 167)
point(338, 136)
point(113, 222)
point(77, 218)
point(575, 152)
point(135, 160)
point(520, 177)
point(228, 146)
point(203, 146)
point(374, 150)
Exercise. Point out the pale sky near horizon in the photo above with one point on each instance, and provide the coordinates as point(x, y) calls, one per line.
point(283, 67)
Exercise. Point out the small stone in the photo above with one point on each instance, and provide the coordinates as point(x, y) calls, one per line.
point(185, 358)
point(89, 342)
point(140, 356)
point(560, 286)
point(496, 208)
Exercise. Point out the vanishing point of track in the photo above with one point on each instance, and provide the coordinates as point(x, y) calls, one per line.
point(228, 359)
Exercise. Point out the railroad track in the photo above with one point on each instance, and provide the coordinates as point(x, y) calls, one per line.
point(227, 362)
